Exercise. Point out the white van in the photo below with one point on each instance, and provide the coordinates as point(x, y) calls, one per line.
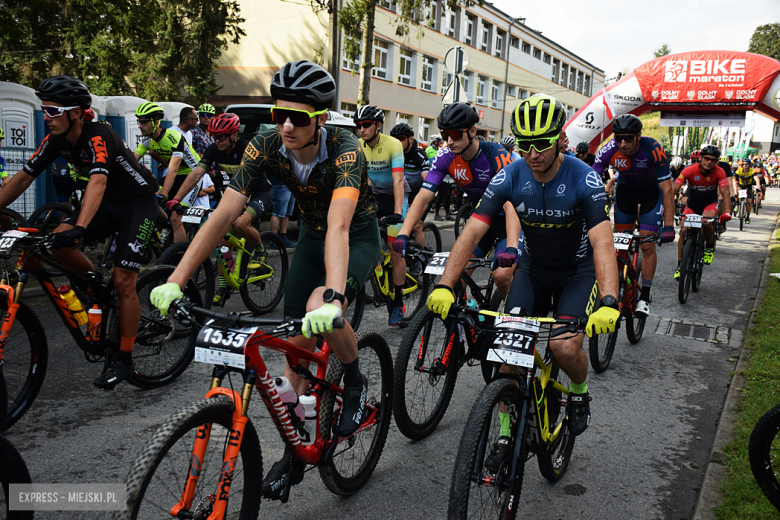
point(252, 116)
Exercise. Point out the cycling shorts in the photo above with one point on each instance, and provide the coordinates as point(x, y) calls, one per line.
point(135, 223)
point(763, 180)
point(570, 293)
point(647, 202)
point(258, 204)
point(713, 207)
point(307, 270)
point(385, 207)
point(496, 234)
point(748, 188)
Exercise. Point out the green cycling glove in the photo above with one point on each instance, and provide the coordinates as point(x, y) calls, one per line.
point(163, 295)
point(320, 320)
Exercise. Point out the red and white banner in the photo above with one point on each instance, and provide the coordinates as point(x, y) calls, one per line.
point(688, 82)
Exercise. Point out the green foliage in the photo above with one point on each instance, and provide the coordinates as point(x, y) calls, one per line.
point(663, 50)
point(766, 40)
point(155, 49)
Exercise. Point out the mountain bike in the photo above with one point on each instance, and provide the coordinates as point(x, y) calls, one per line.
point(161, 351)
point(461, 217)
point(259, 281)
point(756, 199)
point(205, 460)
point(13, 470)
point(432, 351)
point(627, 248)
point(763, 453)
point(692, 260)
point(741, 212)
point(535, 398)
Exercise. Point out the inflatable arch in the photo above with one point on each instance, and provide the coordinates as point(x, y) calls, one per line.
point(719, 82)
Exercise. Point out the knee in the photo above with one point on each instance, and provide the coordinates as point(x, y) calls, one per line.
point(648, 249)
point(565, 351)
point(124, 282)
point(243, 223)
point(503, 275)
point(315, 300)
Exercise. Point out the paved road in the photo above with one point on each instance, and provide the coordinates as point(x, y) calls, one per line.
point(654, 415)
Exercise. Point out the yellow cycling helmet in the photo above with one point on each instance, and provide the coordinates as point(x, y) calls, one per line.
point(540, 116)
point(2, 133)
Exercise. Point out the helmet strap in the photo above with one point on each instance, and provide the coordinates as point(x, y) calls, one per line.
point(557, 154)
point(315, 141)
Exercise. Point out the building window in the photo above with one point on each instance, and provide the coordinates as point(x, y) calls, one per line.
point(387, 4)
point(571, 78)
point(453, 24)
point(526, 48)
point(348, 109)
point(495, 94)
point(491, 137)
point(446, 79)
point(428, 73)
point(587, 86)
point(546, 58)
point(564, 74)
point(481, 88)
point(405, 69)
point(514, 42)
point(484, 41)
point(380, 69)
point(511, 90)
point(579, 82)
point(403, 118)
point(500, 37)
point(424, 130)
point(537, 54)
point(555, 65)
point(522, 94)
point(348, 64)
point(466, 81)
point(469, 39)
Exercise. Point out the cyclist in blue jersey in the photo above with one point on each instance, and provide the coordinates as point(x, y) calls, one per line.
point(509, 142)
point(644, 187)
point(385, 158)
point(567, 246)
point(471, 164)
point(416, 168)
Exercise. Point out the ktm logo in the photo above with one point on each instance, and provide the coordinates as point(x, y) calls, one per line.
point(99, 146)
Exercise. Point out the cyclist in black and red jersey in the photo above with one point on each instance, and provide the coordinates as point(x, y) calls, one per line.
point(120, 196)
point(416, 167)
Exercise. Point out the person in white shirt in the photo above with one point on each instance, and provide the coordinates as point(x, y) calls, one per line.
point(188, 119)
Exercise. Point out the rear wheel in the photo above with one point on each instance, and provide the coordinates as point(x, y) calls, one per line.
point(203, 277)
point(48, 217)
point(602, 346)
point(264, 285)
point(356, 457)
point(464, 213)
point(764, 454)
point(432, 237)
point(13, 470)
point(686, 271)
point(354, 313)
point(635, 325)
point(698, 266)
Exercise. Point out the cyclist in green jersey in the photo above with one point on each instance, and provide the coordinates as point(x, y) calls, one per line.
point(339, 242)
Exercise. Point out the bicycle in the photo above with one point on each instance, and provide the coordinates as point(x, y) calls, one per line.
point(756, 199)
point(432, 351)
point(763, 452)
point(214, 446)
point(535, 396)
point(602, 346)
point(741, 212)
point(461, 217)
point(160, 353)
point(262, 287)
point(692, 260)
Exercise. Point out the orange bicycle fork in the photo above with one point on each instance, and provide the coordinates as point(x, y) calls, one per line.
point(9, 305)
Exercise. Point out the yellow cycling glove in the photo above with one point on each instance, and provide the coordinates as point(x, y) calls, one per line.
point(440, 300)
point(602, 321)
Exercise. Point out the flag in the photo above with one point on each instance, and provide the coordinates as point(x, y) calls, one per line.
point(608, 106)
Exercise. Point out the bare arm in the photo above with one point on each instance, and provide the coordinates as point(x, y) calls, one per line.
point(15, 187)
point(398, 191)
point(230, 208)
point(337, 244)
point(413, 214)
point(676, 187)
point(666, 191)
point(461, 252)
point(93, 196)
point(192, 179)
point(724, 192)
point(604, 258)
point(173, 170)
point(512, 226)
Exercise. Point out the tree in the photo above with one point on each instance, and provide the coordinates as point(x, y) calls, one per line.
point(356, 19)
point(766, 40)
point(156, 49)
point(663, 50)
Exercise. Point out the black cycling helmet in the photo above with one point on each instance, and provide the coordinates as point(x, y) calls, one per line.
point(583, 147)
point(402, 129)
point(65, 90)
point(457, 116)
point(304, 82)
point(627, 124)
point(711, 149)
point(369, 113)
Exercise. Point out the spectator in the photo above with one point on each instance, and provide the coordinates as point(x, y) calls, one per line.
point(188, 120)
point(283, 202)
point(200, 135)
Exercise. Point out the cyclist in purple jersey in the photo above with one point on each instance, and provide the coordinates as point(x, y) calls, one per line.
point(471, 164)
point(644, 187)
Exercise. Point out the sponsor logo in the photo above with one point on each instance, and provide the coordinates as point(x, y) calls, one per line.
point(655, 94)
point(691, 94)
point(499, 178)
point(137, 247)
point(593, 180)
point(460, 174)
point(599, 196)
point(704, 71)
point(729, 94)
point(746, 94)
point(552, 212)
point(527, 189)
point(134, 265)
point(675, 71)
point(561, 189)
point(251, 151)
point(84, 155)
point(696, 178)
point(589, 118)
point(641, 163)
point(521, 207)
point(632, 99)
point(706, 95)
point(547, 226)
point(99, 147)
point(489, 192)
point(620, 163)
point(129, 169)
point(670, 94)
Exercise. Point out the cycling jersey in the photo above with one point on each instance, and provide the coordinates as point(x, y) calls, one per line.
point(725, 167)
point(647, 168)
point(99, 150)
point(226, 166)
point(171, 144)
point(702, 186)
point(383, 160)
point(474, 175)
point(555, 216)
point(745, 178)
point(3, 172)
point(415, 164)
point(589, 160)
point(339, 172)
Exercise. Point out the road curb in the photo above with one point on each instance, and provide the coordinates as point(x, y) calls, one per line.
point(715, 473)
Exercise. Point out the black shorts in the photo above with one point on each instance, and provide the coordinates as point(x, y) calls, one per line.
point(135, 224)
point(386, 204)
point(258, 204)
point(748, 188)
point(496, 235)
point(571, 293)
point(177, 184)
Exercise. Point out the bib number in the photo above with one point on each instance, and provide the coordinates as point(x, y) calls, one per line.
point(742, 194)
point(621, 241)
point(437, 263)
point(223, 346)
point(516, 341)
point(693, 221)
point(193, 215)
point(225, 177)
point(9, 238)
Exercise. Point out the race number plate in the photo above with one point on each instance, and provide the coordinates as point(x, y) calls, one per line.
point(515, 342)
point(225, 177)
point(693, 221)
point(742, 194)
point(223, 346)
point(621, 240)
point(437, 263)
point(193, 215)
point(9, 238)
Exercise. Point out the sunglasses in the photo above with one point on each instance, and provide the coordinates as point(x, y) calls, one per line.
point(627, 138)
point(143, 121)
point(402, 138)
point(710, 159)
point(540, 145)
point(455, 135)
point(206, 115)
point(365, 124)
point(220, 138)
point(55, 111)
point(297, 117)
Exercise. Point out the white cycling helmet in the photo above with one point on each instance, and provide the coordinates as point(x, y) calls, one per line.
point(676, 162)
point(509, 140)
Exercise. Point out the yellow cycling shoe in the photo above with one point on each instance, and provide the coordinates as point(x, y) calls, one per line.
point(708, 256)
point(677, 274)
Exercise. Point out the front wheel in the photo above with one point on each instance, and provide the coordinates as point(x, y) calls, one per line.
point(635, 325)
point(13, 470)
point(763, 452)
point(354, 313)
point(203, 276)
point(264, 282)
point(554, 458)
point(356, 457)
point(157, 478)
point(698, 266)
point(162, 349)
point(476, 491)
point(464, 213)
point(426, 368)
point(432, 237)
point(686, 271)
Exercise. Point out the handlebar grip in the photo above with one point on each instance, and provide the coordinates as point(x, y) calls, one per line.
point(339, 323)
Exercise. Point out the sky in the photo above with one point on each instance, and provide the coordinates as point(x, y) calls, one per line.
point(617, 35)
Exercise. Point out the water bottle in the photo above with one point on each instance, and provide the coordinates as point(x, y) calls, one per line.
point(95, 322)
point(308, 432)
point(227, 254)
point(473, 304)
point(73, 303)
point(290, 398)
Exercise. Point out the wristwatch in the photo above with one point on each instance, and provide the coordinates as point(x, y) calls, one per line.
point(609, 301)
point(329, 295)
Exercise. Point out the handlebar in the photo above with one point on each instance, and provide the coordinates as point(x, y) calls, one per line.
point(184, 312)
point(571, 324)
